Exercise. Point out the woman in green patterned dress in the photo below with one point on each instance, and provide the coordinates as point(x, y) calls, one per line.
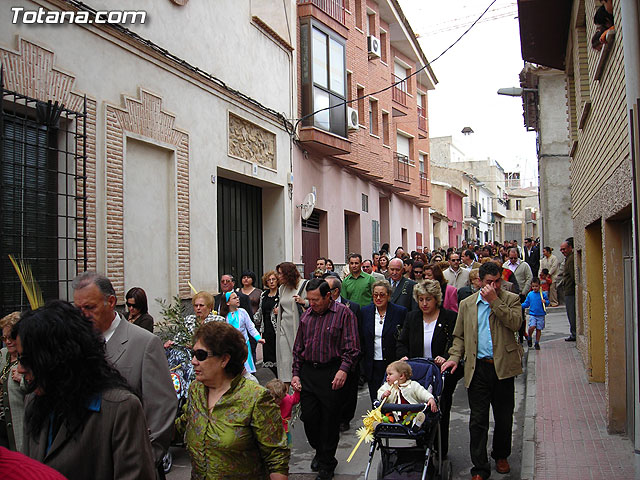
point(232, 426)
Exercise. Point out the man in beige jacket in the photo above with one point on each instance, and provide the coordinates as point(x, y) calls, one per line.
point(485, 337)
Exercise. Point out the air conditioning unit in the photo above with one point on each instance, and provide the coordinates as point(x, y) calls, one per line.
point(374, 47)
point(352, 119)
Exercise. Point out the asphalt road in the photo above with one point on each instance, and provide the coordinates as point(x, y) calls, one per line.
point(302, 454)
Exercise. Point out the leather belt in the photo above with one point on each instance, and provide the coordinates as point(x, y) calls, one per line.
point(487, 360)
point(331, 363)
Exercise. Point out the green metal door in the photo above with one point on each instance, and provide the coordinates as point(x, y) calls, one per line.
point(239, 229)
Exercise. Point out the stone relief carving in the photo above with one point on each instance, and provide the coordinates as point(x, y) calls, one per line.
point(251, 142)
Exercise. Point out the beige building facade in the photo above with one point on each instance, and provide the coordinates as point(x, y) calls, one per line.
point(166, 164)
point(597, 88)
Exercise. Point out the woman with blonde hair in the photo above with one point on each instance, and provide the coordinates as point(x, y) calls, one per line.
point(12, 388)
point(428, 333)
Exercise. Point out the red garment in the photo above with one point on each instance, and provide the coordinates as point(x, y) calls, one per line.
point(16, 466)
point(545, 282)
point(332, 336)
point(286, 405)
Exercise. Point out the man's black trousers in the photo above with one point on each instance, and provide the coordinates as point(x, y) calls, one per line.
point(321, 412)
point(486, 390)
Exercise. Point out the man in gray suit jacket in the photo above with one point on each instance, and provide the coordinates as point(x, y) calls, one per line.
point(136, 353)
point(402, 287)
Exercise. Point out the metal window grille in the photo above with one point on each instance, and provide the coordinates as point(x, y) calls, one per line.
point(42, 189)
point(365, 202)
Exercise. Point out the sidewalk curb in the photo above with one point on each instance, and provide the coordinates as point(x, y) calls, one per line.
point(529, 435)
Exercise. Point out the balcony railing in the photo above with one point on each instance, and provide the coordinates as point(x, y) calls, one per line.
point(399, 91)
point(472, 210)
point(424, 184)
point(401, 167)
point(333, 8)
point(422, 118)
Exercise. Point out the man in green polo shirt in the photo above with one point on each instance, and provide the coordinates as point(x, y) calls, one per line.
point(357, 285)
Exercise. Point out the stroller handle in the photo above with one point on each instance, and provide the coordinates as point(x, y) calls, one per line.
point(403, 407)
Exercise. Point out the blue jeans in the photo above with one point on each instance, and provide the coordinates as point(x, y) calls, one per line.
point(570, 302)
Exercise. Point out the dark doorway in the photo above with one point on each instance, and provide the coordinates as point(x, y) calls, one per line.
point(310, 242)
point(239, 229)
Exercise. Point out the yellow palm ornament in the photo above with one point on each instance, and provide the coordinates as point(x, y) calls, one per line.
point(370, 420)
point(31, 288)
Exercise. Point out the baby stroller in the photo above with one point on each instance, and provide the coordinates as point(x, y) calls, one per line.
point(410, 449)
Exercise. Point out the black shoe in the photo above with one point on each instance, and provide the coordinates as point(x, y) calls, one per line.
point(537, 346)
point(529, 342)
point(344, 426)
point(324, 475)
point(315, 466)
point(570, 339)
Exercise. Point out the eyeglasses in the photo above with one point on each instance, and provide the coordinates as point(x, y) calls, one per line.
point(201, 355)
point(455, 259)
point(380, 295)
point(132, 305)
point(7, 338)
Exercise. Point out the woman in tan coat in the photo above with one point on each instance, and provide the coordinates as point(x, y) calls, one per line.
point(292, 302)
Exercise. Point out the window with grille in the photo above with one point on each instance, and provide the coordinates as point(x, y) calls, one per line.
point(375, 235)
point(365, 202)
point(41, 182)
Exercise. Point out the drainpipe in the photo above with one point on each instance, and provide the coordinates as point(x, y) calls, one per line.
point(631, 45)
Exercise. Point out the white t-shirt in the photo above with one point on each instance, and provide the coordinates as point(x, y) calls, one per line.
point(377, 340)
point(428, 336)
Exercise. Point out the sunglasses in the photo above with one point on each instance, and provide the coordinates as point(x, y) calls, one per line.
point(418, 271)
point(132, 305)
point(201, 355)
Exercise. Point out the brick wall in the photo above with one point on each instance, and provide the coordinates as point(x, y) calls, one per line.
point(145, 118)
point(368, 152)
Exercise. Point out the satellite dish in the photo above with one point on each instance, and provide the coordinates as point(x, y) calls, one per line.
point(309, 203)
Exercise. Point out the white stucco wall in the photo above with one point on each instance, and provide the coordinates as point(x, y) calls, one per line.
point(213, 38)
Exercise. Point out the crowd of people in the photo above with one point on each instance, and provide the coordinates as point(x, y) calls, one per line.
point(88, 390)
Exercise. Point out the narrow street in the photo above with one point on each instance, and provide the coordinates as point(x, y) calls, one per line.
point(556, 327)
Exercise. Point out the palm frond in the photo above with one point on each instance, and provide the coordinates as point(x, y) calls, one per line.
point(29, 284)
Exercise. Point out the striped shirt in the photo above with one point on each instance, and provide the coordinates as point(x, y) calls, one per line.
point(332, 336)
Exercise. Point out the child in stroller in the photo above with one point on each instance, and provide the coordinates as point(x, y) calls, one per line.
point(401, 389)
point(409, 436)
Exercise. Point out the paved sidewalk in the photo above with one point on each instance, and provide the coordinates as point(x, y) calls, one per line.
point(571, 440)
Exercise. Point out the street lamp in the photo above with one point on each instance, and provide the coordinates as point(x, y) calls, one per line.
point(515, 91)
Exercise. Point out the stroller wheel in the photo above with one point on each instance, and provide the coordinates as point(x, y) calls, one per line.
point(167, 461)
point(446, 473)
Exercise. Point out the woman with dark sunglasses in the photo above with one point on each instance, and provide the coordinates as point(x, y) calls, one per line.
point(82, 419)
point(136, 301)
point(231, 425)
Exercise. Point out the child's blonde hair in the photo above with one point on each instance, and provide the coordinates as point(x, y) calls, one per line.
point(277, 389)
point(402, 367)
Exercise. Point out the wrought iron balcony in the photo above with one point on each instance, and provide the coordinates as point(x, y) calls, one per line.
point(399, 91)
point(401, 167)
point(333, 8)
point(422, 118)
point(424, 184)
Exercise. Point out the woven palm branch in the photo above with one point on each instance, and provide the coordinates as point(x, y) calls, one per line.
point(370, 421)
point(31, 288)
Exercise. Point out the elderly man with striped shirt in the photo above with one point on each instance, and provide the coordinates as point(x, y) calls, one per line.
point(325, 350)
